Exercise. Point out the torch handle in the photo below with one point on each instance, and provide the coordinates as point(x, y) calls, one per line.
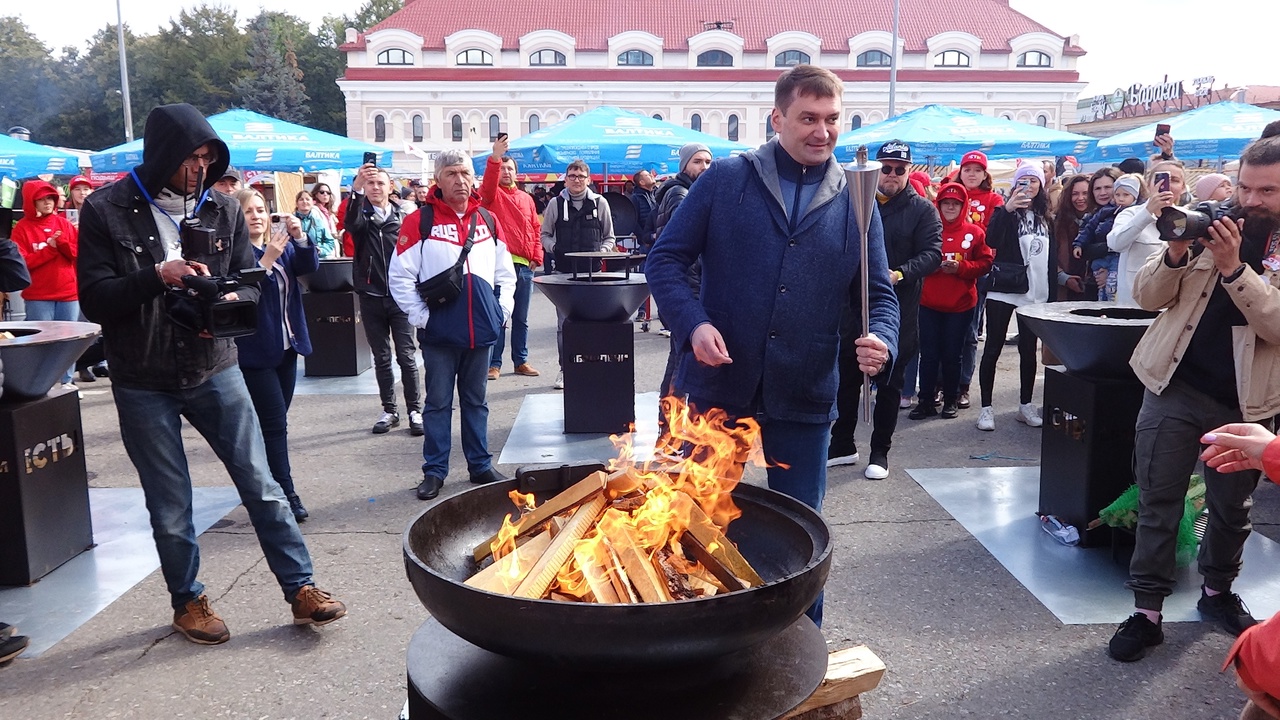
point(866, 323)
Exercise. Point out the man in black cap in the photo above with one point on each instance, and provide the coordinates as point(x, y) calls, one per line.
point(913, 243)
point(134, 254)
point(230, 181)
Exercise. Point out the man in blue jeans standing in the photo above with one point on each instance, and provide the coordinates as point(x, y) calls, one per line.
point(132, 256)
point(516, 212)
point(456, 335)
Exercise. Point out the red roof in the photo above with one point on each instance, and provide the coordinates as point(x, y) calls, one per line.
point(677, 20)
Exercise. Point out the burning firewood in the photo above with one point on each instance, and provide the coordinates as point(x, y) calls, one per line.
point(641, 533)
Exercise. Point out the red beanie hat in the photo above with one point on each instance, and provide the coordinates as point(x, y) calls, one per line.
point(974, 157)
point(952, 191)
point(79, 180)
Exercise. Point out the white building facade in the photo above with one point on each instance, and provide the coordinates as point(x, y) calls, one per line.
point(429, 77)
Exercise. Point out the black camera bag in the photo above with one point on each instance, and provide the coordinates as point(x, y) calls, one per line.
point(446, 286)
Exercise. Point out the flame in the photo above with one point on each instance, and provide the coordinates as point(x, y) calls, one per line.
point(526, 503)
point(505, 543)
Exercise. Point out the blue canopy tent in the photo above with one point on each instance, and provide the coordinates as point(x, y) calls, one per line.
point(260, 142)
point(22, 159)
point(939, 134)
point(1212, 132)
point(611, 140)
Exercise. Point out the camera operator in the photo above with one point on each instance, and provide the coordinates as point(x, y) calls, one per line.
point(133, 234)
point(1211, 358)
point(14, 276)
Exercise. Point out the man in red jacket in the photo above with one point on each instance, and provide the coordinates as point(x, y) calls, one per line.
point(49, 245)
point(517, 214)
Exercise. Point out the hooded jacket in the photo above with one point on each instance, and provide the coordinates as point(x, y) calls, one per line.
point(670, 194)
point(476, 317)
point(552, 242)
point(965, 242)
point(982, 203)
point(52, 265)
point(774, 283)
point(120, 246)
point(514, 208)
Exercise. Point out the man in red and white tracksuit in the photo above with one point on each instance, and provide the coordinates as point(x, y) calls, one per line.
point(456, 338)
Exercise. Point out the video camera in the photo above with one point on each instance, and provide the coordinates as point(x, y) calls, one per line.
point(198, 305)
point(1192, 222)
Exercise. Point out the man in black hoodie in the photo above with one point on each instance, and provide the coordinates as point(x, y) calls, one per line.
point(913, 242)
point(130, 257)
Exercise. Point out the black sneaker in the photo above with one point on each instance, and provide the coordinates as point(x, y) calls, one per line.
point(923, 410)
point(839, 453)
point(950, 410)
point(299, 510)
point(430, 486)
point(7, 630)
point(386, 421)
point(1134, 636)
point(1227, 608)
point(415, 423)
point(12, 646)
point(487, 476)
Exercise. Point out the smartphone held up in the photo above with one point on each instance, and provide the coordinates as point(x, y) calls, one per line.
point(1162, 182)
point(277, 224)
point(371, 158)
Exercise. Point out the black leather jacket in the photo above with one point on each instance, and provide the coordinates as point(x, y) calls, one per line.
point(120, 246)
point(373, 244)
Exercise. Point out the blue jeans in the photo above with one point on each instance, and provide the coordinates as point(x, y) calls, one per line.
point(519, 321)
point(221, 411)
point(272, 392)
point(797, 455)
point(942, 337)
point(445, 367)
point(63, 310)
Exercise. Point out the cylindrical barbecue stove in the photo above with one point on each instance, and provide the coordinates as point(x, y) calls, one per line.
point(599, 342)
point(749, 654)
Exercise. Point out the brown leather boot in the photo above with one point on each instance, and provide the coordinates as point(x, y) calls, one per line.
point(313, 606)
point(200, 624)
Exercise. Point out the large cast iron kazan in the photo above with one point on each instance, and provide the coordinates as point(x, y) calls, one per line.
point(1093, 339)
point(39, 353)
point(786, 542)
point(597, 296)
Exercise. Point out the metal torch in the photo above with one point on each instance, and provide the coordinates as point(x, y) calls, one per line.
point(861, 177)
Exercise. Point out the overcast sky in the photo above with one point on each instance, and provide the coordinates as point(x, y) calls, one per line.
point(1207, 38)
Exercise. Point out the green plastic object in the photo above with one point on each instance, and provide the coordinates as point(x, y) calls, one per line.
point(1123, 513)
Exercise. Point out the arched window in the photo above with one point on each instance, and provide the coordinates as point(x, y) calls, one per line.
point(657, 116)
point(570, 116)
point(417, 128)
point(495, 127)
point(875, 58)
point(789, 58)
point(455, 127)
point(855, 122)
point(534, 123)
point(379, 128)
point(769, 132)
point(1006, 116)
point(395, 56)
point(1034, 58)
point(695, 122)
point(733, 128)
point(474, 56)
point(546, 57)
point(1043, 121)
point(635, 57)
point(715, 58)
point(951, 58)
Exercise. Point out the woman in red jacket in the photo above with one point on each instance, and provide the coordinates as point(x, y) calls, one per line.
point(49, 245)
point(948, 300)
point(1256, 653)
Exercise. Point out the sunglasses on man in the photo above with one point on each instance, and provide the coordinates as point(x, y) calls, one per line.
point(893, 170)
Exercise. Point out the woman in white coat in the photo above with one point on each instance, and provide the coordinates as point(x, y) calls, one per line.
point(1134, 234)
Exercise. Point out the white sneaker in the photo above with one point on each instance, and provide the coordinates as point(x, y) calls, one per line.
point(559, 383)
point(987, 418)
point(664, 332)
point(876, 472)
point(838, 460)
point(904, 402)
point(1029, 414)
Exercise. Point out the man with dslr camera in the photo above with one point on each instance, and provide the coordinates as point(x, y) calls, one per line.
point(140, 238)
point(1211, 358)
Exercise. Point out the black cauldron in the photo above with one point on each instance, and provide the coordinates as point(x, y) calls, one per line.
point(786, 542)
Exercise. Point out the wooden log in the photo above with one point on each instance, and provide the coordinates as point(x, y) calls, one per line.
point(850, 672)
point(576, 494)
point(850, 709)
point(498, 577)
point(544, 571)
point(707, 533)
point(592, 561)
point(723, 575)
point(650, 587)
point(677, 584)
point(618, 574)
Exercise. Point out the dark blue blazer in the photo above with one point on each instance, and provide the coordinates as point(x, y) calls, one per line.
point(265, 348)
point(775, 296)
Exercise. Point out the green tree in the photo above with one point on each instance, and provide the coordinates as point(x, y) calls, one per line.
point(28, 83)
point(323, 64)
point(373, 12)
point(196, 60)
point(274, 84)
point(92, 115)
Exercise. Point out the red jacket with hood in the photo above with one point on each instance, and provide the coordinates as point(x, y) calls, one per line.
point(53, 267)
point(966, 242)
point(982, 203)
point(513, 208)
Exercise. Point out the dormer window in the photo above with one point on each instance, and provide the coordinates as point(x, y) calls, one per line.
point(547, 57)
point(1036, 59)
point(790, 58)
point(874, 58)
point(951, 58)
point(635, 58)
point(715, 58)
point(395, 56)
point(474, 56)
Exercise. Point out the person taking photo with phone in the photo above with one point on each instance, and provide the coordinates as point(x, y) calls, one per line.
point(1134, 234)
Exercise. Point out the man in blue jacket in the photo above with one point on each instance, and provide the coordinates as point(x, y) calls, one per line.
point(778, 237)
